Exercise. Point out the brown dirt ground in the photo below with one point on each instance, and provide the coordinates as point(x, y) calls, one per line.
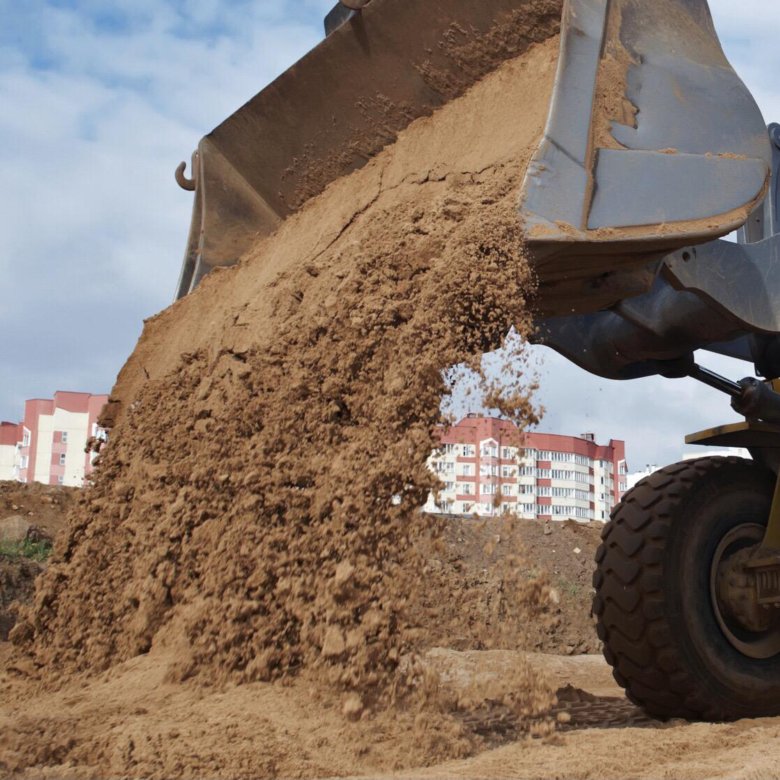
point(474, 559)
point(44, 506)
point(132, 717)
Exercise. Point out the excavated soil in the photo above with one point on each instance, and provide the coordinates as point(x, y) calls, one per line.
point(17, 585)
point(44, 506)
point(480, 614)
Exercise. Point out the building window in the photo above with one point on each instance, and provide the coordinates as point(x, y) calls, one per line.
point(449, 486)
point(26, 439)
point(489, 451)
point(467, 489)
point(442, 468)
point(527, 471)
point(62, 459)
point(527, 489)
point(64, 437)
point(467, 508)
point(488, 489)
point(506, 490)
point(467, 450)
point(60, 480)
point(543, 473)
point(544, 490)
point(449, 449)
point(467, 469)
point(543, 455)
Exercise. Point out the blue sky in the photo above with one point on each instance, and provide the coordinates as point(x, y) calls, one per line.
point(100, 101)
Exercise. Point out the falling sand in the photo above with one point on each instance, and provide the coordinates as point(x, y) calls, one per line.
point(255, 519)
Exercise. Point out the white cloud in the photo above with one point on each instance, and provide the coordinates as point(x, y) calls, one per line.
point(100, 104)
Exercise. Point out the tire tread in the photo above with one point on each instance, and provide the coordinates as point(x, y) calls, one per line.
point(630, 604)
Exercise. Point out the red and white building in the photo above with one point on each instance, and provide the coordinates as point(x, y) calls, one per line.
point(488, 467)
point(10, 439)
point(49, 444)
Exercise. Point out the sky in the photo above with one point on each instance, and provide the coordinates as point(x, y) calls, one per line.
point(99, 103)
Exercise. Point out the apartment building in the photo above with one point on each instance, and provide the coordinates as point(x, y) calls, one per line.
point(10, 437)
point(50, 442)
point(487, 467)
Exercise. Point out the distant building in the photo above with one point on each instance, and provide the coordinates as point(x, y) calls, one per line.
point(488, 467)
point(637, 476)
point(10, 441)
point(704, 452)
point(50, 442)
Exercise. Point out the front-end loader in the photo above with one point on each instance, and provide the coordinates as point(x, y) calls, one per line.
point(654, 150)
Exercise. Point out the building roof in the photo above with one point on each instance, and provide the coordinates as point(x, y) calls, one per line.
point(474, 429)
point(10, 433)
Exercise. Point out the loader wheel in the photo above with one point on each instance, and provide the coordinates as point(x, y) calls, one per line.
point(676, 611)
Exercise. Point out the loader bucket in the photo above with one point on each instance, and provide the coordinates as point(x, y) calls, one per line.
point(652, 143)
point(380, 68)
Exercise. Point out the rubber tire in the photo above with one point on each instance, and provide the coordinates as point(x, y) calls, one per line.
point(652, 601)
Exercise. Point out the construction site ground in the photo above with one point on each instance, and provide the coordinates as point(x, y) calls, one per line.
point(131, 721)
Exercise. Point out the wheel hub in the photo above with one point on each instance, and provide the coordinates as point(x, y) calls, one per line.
point(750, 627)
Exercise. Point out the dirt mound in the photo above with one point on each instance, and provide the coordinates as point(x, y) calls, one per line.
point(492, 566)
point(44, 506)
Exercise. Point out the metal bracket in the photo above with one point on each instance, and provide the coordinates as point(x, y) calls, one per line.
point(738, 280)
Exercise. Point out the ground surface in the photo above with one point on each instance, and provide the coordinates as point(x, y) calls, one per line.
point(131, 721)
point(132, 718)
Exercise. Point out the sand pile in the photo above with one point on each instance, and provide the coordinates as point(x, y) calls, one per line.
point(257, 509)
